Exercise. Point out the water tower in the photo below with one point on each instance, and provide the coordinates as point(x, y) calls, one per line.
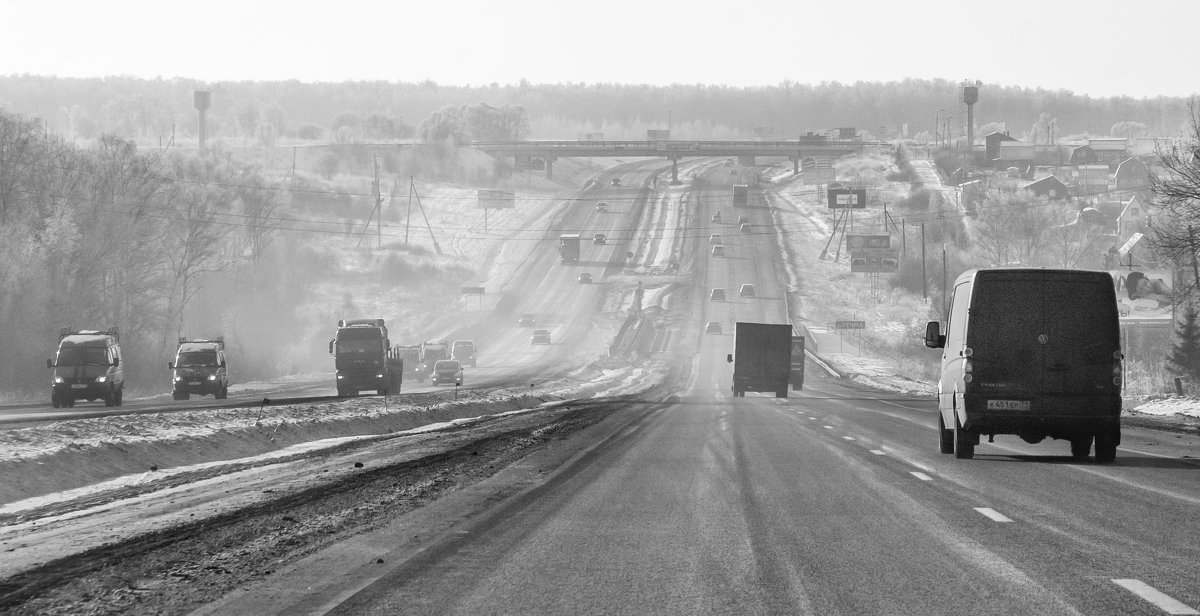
point(201, 100)
point(970, 97)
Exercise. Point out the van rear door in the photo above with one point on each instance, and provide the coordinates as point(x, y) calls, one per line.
point(1042, 333)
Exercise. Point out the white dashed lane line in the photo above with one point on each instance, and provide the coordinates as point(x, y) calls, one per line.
point(994, 515)
point(1160, 599)
point(921, 476)
point(878, 452)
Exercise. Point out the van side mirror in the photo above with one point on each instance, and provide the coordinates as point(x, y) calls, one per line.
point(331, 347)
point(170, 365)
point(729, 358)
point(933, 335)
point(49, 363)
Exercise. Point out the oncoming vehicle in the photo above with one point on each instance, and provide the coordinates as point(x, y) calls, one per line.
point(463, 351)
point(199, 368)
point(88, 367)
point(715, 239)
point(447, 371)
point(585, 278)
point(713, 327)
point(601, 206)
point(599, 239)
point(540, 336)
point(716, 217)
point(615, 181)
point(1030, 352)
point(718, 251)
point(526, 318)
point(747, 290)
point(717, 295)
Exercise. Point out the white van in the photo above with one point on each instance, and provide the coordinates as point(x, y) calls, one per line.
point(1030, 352)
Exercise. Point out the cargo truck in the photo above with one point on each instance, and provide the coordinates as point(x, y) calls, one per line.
point(410, 358)
point(431, 352)
point(761, 358)
point(741, 195)
point(568, 247)
point(363, 358)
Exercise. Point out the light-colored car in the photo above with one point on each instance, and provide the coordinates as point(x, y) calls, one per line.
point(585, 278)
point(717, 295)
point(599, 239)
point(447, 371)
point(743, 220)
point(718, 251)
point(747, 290)
point(601, 206)
point(715, 238)
point(713, 327)
point(716, 217)
point(527, 319)
point(744, 228)
point(540, 336)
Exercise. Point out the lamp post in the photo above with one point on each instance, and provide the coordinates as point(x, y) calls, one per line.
point(937, 127)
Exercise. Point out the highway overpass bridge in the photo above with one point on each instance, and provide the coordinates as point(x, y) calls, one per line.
point(524, 152)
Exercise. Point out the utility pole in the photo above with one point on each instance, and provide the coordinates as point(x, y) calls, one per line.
point(378, 205)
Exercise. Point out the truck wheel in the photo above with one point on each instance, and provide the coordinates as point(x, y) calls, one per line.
point(70, 403)
point(1081, 446)
point(781, 393)
point(120, 395)
point(110, 399)
point(964, 441)
point(1106, 445)
point(945, 437)
point(222, 393)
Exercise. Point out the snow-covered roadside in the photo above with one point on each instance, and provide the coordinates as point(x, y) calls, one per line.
point(69, 459)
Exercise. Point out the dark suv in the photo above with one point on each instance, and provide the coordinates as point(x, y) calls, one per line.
point(199, 368)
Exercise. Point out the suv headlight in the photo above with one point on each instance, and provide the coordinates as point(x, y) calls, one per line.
point(59, 379)
point(101, 379)
point(212, 377)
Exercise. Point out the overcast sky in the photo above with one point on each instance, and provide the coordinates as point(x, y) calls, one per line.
point(1096, 47)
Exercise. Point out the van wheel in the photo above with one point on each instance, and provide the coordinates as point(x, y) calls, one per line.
point(781, 393)
point(110, 399)
point(120, 395)
point(964, 441)
point(1106, 445)
point(70, 403)
point(945, 437)
point(1081, 446)
point(222, 393)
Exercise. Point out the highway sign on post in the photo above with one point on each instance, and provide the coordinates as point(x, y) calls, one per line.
point(855, 198)
point(850, 325)
point(856, 242)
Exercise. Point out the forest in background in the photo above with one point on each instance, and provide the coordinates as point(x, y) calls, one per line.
point(160, 111)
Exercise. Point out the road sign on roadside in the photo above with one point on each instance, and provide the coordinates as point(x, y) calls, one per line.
point(850, 325)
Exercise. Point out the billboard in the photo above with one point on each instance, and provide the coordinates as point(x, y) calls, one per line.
point(658, 135)
point(855, 198)
point(495, 199)
point(1144, 297)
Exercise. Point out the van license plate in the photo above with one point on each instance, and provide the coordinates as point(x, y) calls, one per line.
point(78, 385)
point(193, 382)
point(1008, 405)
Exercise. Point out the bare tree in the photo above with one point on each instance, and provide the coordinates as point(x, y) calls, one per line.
point(1013, 228)
point(1174, 228)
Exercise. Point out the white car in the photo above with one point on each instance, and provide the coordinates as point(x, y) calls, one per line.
point(540, 336)
point(447, 371)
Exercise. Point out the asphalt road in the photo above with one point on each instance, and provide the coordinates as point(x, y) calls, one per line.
point(833, 501)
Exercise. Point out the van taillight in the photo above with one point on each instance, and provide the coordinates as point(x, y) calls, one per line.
point(968, 366)
point(1117, 368)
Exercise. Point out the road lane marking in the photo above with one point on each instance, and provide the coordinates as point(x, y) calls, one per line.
point(878, 452)
point(921, 476)
point(1160, 599)
point(995, 516)
point(848, 438)
point(828, 427)
point(813, 418)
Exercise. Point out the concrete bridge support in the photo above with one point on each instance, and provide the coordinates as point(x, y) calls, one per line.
point(745, 161)
point(674, 171)
point(795, 164)
point(549, 167)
